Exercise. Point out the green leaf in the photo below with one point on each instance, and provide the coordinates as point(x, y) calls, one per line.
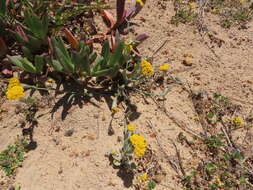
point(81, 63)
point(65, 61)
point(56, 65)
point(92, 58)
point(98, 64)
point(151, 185)
point(39, 63)
point(27, 52)
point(3, 8)
point(16, 61)
point(36, 26)
point(117, 55)
point(28, 65)
point(106, 50)
point(105, 72)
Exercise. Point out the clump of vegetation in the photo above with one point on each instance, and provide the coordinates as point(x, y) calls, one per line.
point(231, 12)
point(13, 156)
point(136, 157)
point(223, 163)
point(185, 12)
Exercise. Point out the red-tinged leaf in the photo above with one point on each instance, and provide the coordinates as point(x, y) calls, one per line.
point(137, 8)
point(108, 17)
point(7, 3)
point(6, 68)
point(21, 32)
point(130, 12)
point(112, 42)
point(142, 37)
point(71, 39)
point(120, 11)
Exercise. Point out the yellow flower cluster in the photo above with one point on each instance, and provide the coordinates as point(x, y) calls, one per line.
point(164, 67)
point(143, 177)
point(237, 121)
point(242, 2)
point(146, 68)
point(128, 46)
point(115, 110)
point(15, 90)
point(192, 5)
point(139, 144)
point(140, 2)
point(131, 127)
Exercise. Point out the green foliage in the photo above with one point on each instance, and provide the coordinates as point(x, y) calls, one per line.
point(151, 185)
point(27, 66)
point(12, 157)
point(85, 62)
point(183, 16)
point(3, 8)
point(33, 35)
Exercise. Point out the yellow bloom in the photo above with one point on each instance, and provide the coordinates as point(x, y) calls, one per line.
point(164, 67)
point(242, 2)
point(146, 68)
point(139, 144)
point(140, 2)
point(128, 46)
point(14, 93)
point(192, 5)
point(143, 177)
point(115, 110)
point(237, 121)
point(131, 127)
point(13, 82)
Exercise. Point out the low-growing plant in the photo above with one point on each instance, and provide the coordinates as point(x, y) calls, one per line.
point(12, 157)
point(33, 34)
point(135, 157)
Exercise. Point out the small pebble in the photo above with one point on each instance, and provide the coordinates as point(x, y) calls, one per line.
point(69, 132)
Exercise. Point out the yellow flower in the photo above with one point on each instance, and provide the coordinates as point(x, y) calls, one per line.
point(242, 2)
point(131, 127)
point(140, 2)
point(14, 93)
point(139, 144)
point(13, 82)
point(237, 121)
point(128, 46)
point(146, 68)
point(192, 5)
point(164, 67)
point(143, 177)
point(115, 110)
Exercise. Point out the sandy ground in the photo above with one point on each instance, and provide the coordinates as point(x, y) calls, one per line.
point(79, 162)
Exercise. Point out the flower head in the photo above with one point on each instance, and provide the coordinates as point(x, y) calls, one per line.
point(14, 93)
point(128, 46)
point(146, 68)
point(115, 110)
point(13, 82)
point(139, 144)
point(242, 2)
point(131, 127)
point(140, 2)
point(164, 67)
point(237, 121)
point(192, 5)
point(143, 177)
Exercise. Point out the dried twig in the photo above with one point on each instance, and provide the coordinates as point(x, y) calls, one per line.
point(173, 165)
